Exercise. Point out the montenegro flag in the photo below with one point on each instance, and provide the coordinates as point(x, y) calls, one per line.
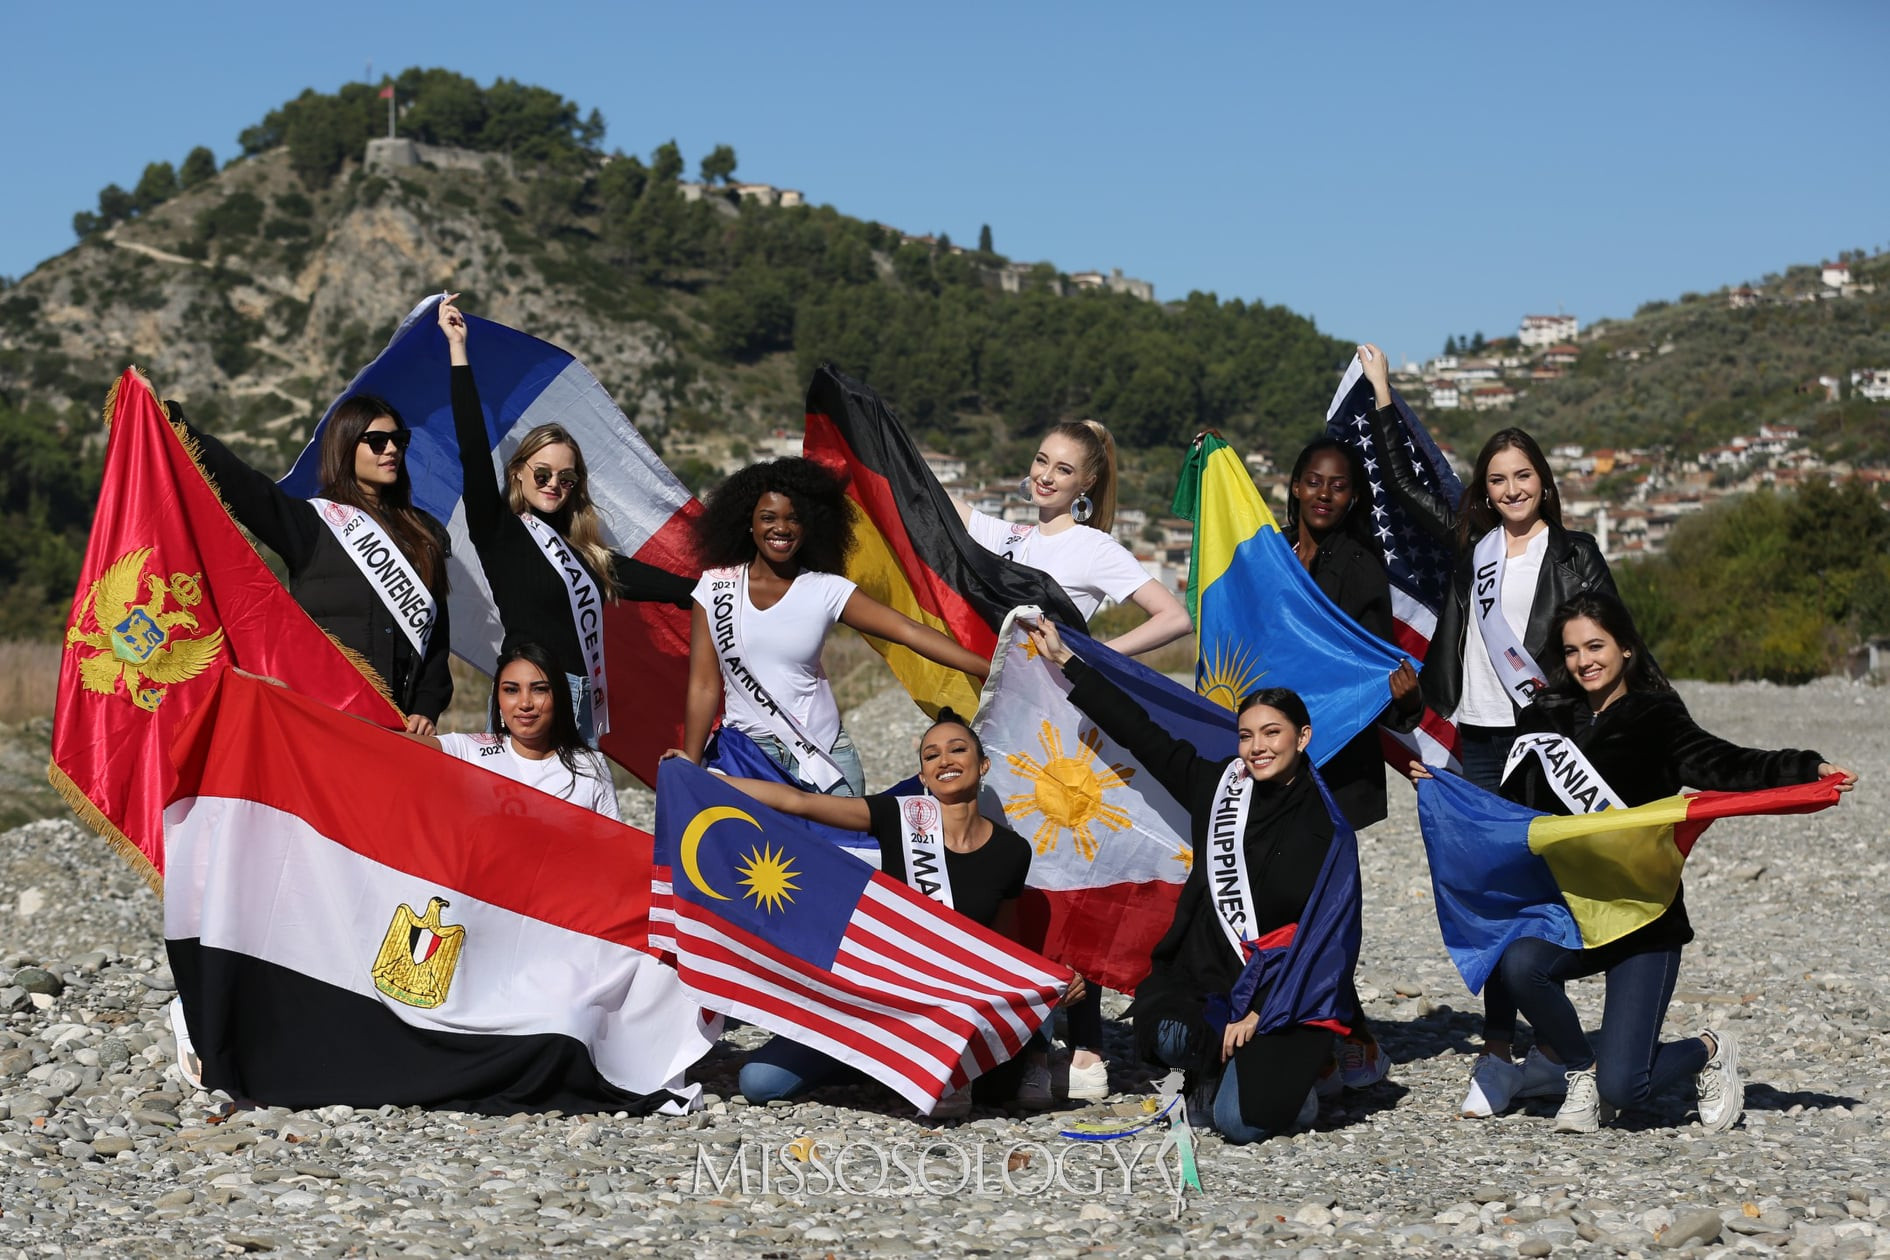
point(169, 596)
point(912, 552)
point(1259, 619)
point(1501, 872)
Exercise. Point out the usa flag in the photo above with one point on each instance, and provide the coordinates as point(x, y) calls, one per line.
point(772, 923)
point(1418, 564)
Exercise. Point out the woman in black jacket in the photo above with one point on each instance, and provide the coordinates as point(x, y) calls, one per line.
point(1185, 1010)
point(540, 541)
point(363, 562)
point(1515, 566)
point(1612, 703)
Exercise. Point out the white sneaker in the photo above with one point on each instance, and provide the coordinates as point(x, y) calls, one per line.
point(1493, 1082)
point(1361, 1063)
point(1542, 1077)
point(1088, 1084)
point(1582, 1111)
point(1308, 1110)
point(953, 1106)
point(1033, 1091)
point(1722, 1093)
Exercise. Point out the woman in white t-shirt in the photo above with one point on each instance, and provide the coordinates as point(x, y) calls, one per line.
point(538, 742)
point(773, 542)
point(1072, 484)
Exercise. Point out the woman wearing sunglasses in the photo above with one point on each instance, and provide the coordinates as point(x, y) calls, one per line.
point(363, 561)
point(541, 542)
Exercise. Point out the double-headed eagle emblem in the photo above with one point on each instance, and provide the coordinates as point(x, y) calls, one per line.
point(140, 643)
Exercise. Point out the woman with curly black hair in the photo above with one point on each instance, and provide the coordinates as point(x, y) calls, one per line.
point(773, 541)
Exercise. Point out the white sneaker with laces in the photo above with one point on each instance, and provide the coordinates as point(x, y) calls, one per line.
point(1542, 1077)
point(1582, 1111)
point(1033, 1091)
point(1088, 1084)
point(1722, 1093)
point(1361, 1063)
point(1493, 1082)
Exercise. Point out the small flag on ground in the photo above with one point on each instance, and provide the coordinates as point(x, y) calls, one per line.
point(523, 383)
point(355, 918)
point(1501, 871)
point(913, 553)
point(1418, 565)
point(775, 925)
point(169, 596)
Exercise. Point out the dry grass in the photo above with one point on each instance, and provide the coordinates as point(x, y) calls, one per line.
point(29, 679)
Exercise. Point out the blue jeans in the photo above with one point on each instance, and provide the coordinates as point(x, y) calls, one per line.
point(1292, 1057)
point(844, 754)
point(785, 1069)
point(1482, 750)
point(1631, 1063)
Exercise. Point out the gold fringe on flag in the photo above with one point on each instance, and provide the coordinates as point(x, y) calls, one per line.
point(92, 816)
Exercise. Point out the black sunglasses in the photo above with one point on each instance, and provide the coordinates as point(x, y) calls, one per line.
point(541, 477)
point(377, 439)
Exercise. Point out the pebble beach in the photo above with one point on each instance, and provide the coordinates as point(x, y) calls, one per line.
point(106, 1150)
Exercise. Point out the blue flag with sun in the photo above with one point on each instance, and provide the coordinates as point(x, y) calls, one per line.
point(1259, 619)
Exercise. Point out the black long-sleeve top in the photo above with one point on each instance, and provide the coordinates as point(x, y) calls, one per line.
point(1648, 747)
point(1288, 835)
point(328, 585)
point(533, 602)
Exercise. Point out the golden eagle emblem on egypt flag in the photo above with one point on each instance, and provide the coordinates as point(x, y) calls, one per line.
point(140, 642)
point(418, 955)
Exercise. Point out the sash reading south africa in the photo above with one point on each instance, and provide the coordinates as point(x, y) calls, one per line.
point(1227, 858)
point(743, 693)
point(923, 839)
point(386, 568)
point(587, 612)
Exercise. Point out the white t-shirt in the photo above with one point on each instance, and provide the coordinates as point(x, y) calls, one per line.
point(1486, 701)
point(1088, 564)
point(781, 647)
point(590, 786)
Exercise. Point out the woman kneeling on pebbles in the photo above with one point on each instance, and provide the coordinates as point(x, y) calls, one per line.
point(1610, 704)
point(1189, 1012)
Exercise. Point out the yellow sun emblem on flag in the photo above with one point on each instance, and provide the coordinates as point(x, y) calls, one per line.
point(1227, 674)
point(768, 877)
point(1068, 790)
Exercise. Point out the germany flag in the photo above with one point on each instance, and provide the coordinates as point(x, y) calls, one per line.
point(913, 554)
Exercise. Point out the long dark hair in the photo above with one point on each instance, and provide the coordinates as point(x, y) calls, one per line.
point(412, 530)
point(1642, 672)
point(1285, 699)
point(725, 530)
point(1476, 516)
point(1355, 523)
point(566, 739)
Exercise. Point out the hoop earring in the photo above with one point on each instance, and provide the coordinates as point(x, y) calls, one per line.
point(1082, 509)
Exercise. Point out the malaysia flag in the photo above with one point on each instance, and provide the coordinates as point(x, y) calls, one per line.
point(776, 925)
point(523, 383)
point(1418, 565)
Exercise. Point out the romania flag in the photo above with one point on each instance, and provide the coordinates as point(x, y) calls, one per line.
point(913, 554)
point(1259, 619)
point(1501, 871)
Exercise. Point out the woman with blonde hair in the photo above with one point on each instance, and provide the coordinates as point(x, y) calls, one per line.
point(540, 541)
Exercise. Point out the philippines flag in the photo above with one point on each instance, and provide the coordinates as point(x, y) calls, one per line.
point(775, 925)
point(1418, 565)
point(523, 383)
point(355, 918)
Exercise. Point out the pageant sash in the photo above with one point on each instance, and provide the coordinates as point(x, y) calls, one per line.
point(386, 569)
point(728, 595)
point(1577, 784)
point(1228, 883)
point(922, 837)
point(587, 614)
point(1518, 672)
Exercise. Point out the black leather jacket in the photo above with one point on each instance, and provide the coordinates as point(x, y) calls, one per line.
point(1572, 566)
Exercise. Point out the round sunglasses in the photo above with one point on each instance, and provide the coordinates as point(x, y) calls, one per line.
point(542, 475)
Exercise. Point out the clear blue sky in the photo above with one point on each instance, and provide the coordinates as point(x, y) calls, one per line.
point(1399, 172)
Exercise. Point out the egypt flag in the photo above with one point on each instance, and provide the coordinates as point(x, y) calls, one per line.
point(912, 552)
point(354, 917)
point(771, 922)
point(1501, 871)
point(523, 383)
point(169, 596)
